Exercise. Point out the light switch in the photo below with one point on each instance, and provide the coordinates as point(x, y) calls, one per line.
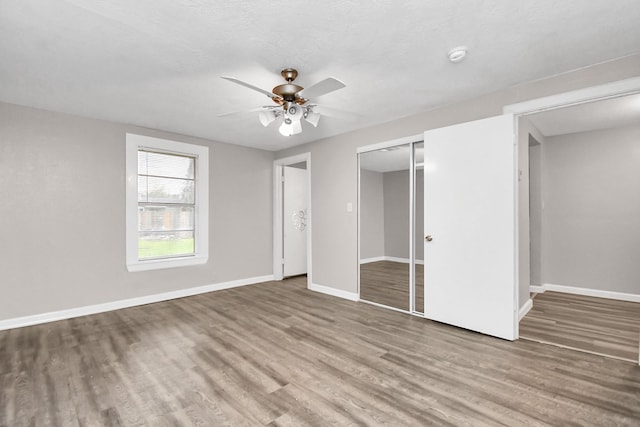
point(349, 207)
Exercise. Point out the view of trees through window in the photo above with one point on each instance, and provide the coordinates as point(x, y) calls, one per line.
point(166, 205)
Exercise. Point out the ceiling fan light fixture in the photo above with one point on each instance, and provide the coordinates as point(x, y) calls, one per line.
point(294, 111)
point(285, 128)
point(312, 118)
point(296, 127)
point(266, 117)
point(290, 127)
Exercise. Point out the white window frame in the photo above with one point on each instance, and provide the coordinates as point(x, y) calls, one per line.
point(201, 153)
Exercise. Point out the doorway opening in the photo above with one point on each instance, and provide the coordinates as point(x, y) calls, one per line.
point(583, 226)
point(292, 218)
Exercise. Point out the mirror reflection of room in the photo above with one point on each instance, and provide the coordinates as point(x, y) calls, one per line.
point(384, 227)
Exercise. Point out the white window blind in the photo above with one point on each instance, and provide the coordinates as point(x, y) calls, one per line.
point(166, 205)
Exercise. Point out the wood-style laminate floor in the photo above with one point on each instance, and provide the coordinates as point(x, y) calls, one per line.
point(387, 283)
point(277, 354)
point(597, 325)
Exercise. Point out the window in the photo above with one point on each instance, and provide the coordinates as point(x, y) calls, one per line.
point(167, 203)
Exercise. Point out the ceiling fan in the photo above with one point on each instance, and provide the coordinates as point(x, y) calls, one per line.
point(291, 101)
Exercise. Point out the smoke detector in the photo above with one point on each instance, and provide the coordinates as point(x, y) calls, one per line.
point(457, 54)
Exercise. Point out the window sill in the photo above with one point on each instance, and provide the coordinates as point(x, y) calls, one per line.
point(158, 264)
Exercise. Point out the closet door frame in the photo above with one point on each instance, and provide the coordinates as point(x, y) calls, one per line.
point(411, 141)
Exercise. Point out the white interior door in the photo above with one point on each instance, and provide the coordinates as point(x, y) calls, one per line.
point(469, 212)
point(294, 221)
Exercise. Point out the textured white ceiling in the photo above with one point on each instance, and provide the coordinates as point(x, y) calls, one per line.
point(157, 63)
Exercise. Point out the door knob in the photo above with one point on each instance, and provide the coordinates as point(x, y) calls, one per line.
point(428, 238)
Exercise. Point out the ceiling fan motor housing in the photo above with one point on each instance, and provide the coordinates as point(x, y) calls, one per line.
point(289, 74)
point(289, 90)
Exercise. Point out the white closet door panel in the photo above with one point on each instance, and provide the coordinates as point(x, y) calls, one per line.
point(469, 210)
point(295, 221)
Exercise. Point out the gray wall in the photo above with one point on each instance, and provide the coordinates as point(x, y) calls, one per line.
point(384, 204)
point(63, 214)
point(396, 214)
point(591, 219)
point(372, 214)
point(335, 167)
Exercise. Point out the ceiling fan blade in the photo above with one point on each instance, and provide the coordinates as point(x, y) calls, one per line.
point(335, 112)
point(253, 110)
point(250, 86)
point(323, 87)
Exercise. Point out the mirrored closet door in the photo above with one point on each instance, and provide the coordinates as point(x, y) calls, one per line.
point(389, 270)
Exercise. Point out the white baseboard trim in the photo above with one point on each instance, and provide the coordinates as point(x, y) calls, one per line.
point(351, 296)
point(585, 291)
point(525, 309)
point(53, 316)
point(374, 259)
point(537, 289)
point(397, 259)
point(390, 258)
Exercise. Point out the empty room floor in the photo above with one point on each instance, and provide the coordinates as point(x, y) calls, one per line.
point(387, 283)
point(596, 325)
point(277, 354)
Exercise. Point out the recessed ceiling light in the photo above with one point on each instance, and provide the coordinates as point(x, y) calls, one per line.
point(457, 54)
